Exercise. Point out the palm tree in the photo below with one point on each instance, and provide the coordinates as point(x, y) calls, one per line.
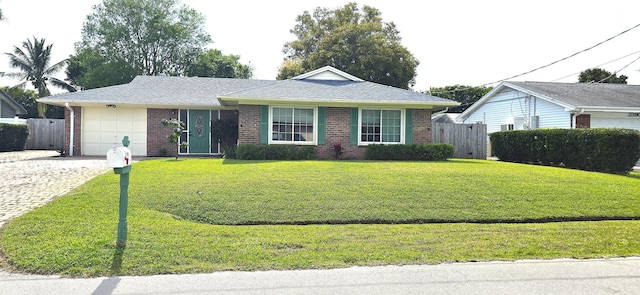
point(33, 62)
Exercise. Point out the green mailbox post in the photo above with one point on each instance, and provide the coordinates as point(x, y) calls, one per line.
point(119, 158)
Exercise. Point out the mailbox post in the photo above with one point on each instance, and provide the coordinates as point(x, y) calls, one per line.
point(119, 158)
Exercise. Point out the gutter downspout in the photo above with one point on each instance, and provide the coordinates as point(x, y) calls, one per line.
point(440, 112)
point(71, 131)
point(575, 118)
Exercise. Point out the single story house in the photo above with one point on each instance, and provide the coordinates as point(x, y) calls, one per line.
point(9, 108)
point(531, 105)
point(319, 108)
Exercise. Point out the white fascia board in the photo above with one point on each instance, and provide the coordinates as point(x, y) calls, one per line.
point(330, 69)
point(467, 113)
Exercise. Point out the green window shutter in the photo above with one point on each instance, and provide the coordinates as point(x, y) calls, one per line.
point(354, 126)
point(408, 126)
point(264, 124)
point(322, 127)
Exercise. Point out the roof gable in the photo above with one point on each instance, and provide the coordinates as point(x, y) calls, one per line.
point(327, 73)
point(571, 96)
point(19, 109)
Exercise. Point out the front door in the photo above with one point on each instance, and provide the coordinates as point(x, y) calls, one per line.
point(199, 131)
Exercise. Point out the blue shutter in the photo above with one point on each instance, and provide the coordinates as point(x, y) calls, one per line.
point(408, 126)
point(322, 127)
point(264, 124)
point(354, 126)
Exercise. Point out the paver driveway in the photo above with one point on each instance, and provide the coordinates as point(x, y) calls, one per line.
point(30, 179)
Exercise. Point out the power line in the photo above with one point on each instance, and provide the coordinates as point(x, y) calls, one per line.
point(618, 71)
point(617, 59)
point(557, 61)
point(565, 58)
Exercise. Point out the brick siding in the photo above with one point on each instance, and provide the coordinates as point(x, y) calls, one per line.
point(77, 137)
point(421, 126)
point(249, 124)
point(157, 143)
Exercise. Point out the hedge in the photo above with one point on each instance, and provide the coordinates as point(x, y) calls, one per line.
point(610, 150)
point(410, 152)
point(275, 152)
point(13, 137)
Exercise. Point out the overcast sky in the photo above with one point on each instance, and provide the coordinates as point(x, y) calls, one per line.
point(456, 42)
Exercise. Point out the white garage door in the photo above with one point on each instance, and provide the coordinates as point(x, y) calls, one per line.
point(621, 120)
point(103, 127)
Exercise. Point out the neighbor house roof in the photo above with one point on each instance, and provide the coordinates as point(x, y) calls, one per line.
point(19, 109)
point(605, 97)
point(326, 86)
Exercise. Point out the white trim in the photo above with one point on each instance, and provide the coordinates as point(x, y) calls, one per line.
point(329, 69)
point(402, 125)
point(315, 126)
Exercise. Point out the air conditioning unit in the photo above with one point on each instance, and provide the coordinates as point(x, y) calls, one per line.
point(505, 127)
point(535, 122)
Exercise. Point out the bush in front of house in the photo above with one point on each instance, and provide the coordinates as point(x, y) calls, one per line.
point(410, 152)
point(275, 152)
point(13, 137)
point(610, 150)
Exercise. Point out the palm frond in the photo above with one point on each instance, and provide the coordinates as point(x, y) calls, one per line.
point(61, 84)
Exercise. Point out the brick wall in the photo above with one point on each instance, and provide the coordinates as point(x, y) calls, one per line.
point(338, 121)
point(421, 126)
point(249, 124)
point(157, 143)
point(77, 112)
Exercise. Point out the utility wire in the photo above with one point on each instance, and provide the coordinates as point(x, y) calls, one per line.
point(555, 62)
point(565, 58)
point(614, 73)
point(617, 59)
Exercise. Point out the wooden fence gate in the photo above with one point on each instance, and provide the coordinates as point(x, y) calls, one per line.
point(45, 134)
point(469, 140)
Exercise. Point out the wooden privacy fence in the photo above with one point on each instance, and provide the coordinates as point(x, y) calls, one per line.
point(469, 140)
point(45, 134)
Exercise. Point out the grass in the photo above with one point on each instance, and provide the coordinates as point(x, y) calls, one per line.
point(184, 217)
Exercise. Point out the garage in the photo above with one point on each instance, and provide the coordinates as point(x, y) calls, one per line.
point(615, 120)
point(103, 127)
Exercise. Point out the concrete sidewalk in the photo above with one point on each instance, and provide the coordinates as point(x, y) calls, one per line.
point(564, 276)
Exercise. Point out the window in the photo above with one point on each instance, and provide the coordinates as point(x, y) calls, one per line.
point(381, 126)
point(293, 125)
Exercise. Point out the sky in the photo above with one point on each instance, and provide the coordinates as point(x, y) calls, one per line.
point(457, 42)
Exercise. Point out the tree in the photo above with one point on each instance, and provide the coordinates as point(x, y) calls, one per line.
point(465, 95)
point(144, 37)
point(352, 40)
point(34, 65)
point(597, 75)
point(214, 64)
point(176, 132)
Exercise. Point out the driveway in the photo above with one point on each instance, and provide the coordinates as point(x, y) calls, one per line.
point(30, 179)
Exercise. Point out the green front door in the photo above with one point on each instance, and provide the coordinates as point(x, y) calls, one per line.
point(199, 132)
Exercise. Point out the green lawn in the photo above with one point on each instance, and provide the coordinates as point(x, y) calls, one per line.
point(201, 215)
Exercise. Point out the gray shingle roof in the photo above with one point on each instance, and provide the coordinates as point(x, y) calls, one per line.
point(160, 91)
point(333, 91)
point(192, 92)
point(586, 94)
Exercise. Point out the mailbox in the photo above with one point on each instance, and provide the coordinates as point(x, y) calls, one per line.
point(118, 157)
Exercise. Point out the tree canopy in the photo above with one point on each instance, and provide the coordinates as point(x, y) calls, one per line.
point(597, 75)
point(27, 99)
point(33, 62)
point(124, 38)
point(353, 40)
point(214, 64)
point(465, 95)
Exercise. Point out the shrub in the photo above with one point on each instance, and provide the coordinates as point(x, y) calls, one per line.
point(14, 137)
point(410, 152)
point(275, 152)
point(611, 150)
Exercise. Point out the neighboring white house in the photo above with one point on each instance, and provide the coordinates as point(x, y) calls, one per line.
point(531, 105)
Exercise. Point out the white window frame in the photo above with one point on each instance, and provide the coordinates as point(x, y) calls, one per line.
point(315, 125)
point(402, 125)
